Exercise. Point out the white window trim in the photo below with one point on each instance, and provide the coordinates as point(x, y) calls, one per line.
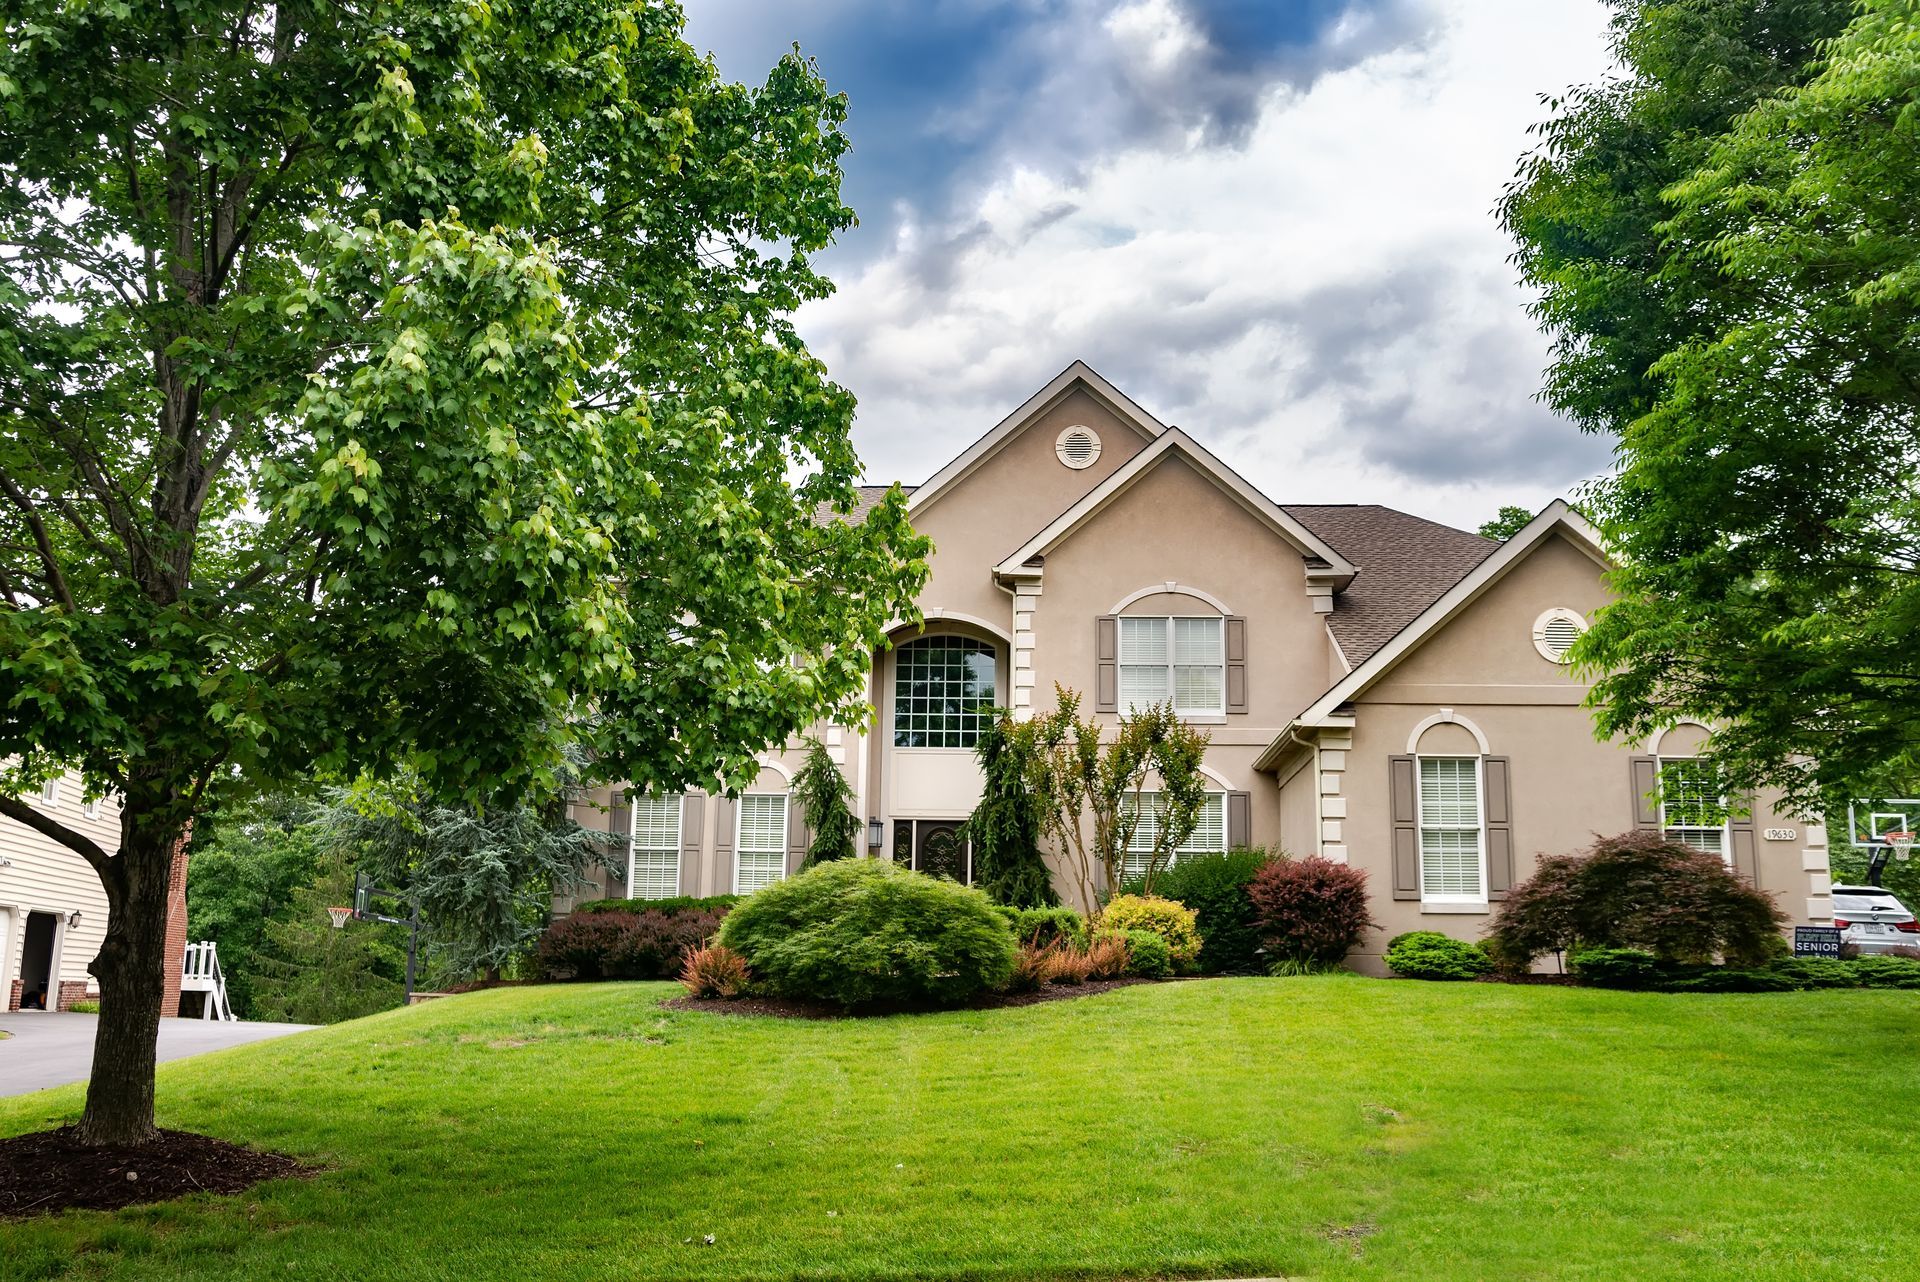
point(633, 846)
point(1726, 823)
point(1204, 715)
point(1556, 615)
point(739, 847)
point(1147, 797)
point(48, 798)
point(91, 809)
point(1458, 903)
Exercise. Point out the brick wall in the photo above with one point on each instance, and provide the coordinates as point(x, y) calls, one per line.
point(71, 991)
point(13, 998)
point(176, 952)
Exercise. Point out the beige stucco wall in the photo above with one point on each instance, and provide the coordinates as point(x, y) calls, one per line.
point(1566, 786)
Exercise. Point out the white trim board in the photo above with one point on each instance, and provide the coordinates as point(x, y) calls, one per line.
point(1338, 570)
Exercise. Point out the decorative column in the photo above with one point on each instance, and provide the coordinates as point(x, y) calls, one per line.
point(1026, 603)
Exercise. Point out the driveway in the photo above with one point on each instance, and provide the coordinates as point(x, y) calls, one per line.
point(52, 1048)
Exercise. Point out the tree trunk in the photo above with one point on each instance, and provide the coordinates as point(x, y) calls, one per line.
point(131, 970)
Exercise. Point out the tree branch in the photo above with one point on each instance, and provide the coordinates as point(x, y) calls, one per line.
point(55, 579)
point(16, 809)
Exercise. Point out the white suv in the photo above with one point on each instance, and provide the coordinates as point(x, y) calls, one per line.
point(1871, 919)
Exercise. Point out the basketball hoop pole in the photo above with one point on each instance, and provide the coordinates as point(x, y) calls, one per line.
point(364, 892)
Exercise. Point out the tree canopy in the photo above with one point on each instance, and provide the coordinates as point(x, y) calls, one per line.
point(1725, 236)
point(408, 383)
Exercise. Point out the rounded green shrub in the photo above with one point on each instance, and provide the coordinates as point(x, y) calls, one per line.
point(1215, 887)
point(1883, 971)
point(862, 931)
point(1616, 967)
point(1428, 954)
point(1173, 922)
point(1148, 955)
point(1043, 926)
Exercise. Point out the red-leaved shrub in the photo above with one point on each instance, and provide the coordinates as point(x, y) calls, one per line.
point(617, 945)
point(1107, 957)
point(714, 971)
point(1637, 890)
point(1310, 910)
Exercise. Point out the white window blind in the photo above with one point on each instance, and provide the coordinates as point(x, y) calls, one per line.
point(653, 863)
point(761, 851)
point(1182, 659)
point(1209, 834)
point(1450, 837)
point(1692, 811)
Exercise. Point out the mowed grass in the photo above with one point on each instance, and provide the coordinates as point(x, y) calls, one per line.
point(1329, 1128)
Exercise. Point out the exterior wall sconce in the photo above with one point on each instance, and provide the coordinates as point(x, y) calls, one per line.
point(73, 919)
point(876, 835)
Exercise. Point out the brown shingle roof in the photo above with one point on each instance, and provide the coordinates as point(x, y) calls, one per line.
point(1406, 564)
point(869, 498)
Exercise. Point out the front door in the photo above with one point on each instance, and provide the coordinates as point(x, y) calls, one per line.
point(939, 850)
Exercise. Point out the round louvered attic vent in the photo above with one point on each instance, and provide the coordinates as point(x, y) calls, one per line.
point(1078, 447)
point(1555, 632)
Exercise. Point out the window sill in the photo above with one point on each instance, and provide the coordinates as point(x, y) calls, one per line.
point(1428, 908)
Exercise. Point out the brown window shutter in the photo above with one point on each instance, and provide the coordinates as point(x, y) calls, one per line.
point(1646, 781)
point(693, 809)
point(1746, 855)
point(1239, 820)
point(1401, 788)
point(720, 879)
point(620, 817)
point(1236, 663)
point(798, 838)
point(1106, 650)
point(1497, 780)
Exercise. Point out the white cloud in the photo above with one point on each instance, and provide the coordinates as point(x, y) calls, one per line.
point(1327, 304)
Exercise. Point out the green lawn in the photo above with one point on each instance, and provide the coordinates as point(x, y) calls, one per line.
point(1331, 1128)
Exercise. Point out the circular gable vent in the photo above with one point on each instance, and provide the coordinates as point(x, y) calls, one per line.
point(1078, 447)
point(1555, 632)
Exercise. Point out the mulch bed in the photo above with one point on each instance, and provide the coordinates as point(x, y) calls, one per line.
point(50, 1171)
point(795, 1008)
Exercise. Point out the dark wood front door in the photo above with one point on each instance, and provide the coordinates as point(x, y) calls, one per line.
point(939, 850)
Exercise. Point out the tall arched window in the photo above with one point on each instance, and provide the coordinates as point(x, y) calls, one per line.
point(943, 689)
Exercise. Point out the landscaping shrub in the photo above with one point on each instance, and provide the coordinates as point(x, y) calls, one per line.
point(1215, 887)
point(856, 931)
point(1428, 954)
point(1887, 970)
point(1069, 965)
point(668, 907)
point(714, 971)
point(1638, 890)
point(1107, 954)
point(1043, 926)
point(618, 945)
point(1616, 967)
point(1031, 968)
point(1310, 910)
point(87, 1007)
point(1148, 955)
point(1293, 967)
point(1173, 922)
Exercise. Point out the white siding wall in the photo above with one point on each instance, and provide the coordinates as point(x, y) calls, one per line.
point(44, 876)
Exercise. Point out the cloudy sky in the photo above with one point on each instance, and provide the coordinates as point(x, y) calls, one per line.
point(1266, 220)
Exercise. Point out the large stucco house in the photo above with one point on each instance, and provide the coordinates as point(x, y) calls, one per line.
point(1380, 689)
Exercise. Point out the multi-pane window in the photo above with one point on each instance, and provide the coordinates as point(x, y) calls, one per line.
point(1692, 810)
point(50, 792)
point(1209, 834)
point(943, 689)
point(761, 844)
point(1451, 868)
point(1179, 659)
point(653, 861)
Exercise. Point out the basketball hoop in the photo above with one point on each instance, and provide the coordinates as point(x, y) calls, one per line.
point(339, 916)
point(1901, 843)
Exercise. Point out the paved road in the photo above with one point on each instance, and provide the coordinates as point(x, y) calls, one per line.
point(53, 1048)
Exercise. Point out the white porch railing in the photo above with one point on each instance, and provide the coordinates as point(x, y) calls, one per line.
point(200, 973)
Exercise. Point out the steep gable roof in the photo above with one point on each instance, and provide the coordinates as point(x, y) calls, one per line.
point(1078, 375)
point(1405, 562)
point(1323, 562)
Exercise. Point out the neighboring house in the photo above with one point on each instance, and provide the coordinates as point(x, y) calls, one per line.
point(53, 911)
point(1380, 689)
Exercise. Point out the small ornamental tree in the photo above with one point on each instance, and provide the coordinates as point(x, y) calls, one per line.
point(407, 384)
point(1005, 827)
point(1092, 793)
point(1310, 910)
point(827, 802)
point(1638, 890)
